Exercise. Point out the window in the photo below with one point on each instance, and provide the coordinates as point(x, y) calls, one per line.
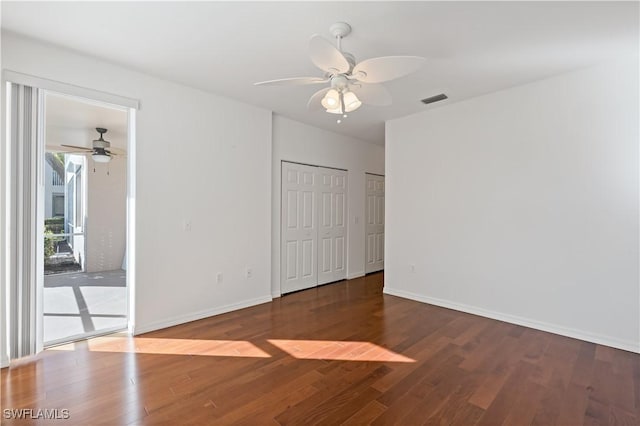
point(57, 209)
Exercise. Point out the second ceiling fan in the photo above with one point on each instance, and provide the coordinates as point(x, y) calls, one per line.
point(351, 84)
point(100, 150)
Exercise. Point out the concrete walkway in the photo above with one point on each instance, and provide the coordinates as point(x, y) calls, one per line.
point(80, 304)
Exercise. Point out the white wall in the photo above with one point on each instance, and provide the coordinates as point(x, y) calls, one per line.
point(106, 215)
point(522, 205)
point(50, 189)
point(297, 142)
point(200, 158)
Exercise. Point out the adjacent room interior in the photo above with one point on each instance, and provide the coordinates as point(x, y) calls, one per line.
point(85, 196)
point(317, 212)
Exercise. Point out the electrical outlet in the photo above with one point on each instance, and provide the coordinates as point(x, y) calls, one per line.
point(249, 273)
point(219, 277)
point(187, 225)
point(412, 268)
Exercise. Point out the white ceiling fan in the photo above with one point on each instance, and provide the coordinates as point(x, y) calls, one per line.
point(351, 84)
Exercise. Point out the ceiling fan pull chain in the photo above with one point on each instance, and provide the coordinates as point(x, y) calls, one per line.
point(342, 108)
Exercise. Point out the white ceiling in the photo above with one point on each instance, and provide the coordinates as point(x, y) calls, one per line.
point(72, 121)
point(472, 48)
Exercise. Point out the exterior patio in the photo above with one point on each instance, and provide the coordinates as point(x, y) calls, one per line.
point(80, 304)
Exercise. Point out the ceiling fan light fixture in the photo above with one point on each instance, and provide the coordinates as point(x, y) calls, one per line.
point(351, 103)
point(100, 156)
point(331, 100)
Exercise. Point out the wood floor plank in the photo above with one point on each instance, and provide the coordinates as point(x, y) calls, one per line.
point(275, 401)
point(333, 398)
point(429, 366)
point(488, 390)
point(509, 395)
point(344, 353)
point(526, 406)
point(574, 405)
point(420, 351)
point(272, 410)
point(448, 395)
point(396, 413)
point(618, 416)
point(365, 415)
point(551, 402)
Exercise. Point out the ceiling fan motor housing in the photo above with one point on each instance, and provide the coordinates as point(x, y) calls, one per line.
point(339, 82)
point(101, 143)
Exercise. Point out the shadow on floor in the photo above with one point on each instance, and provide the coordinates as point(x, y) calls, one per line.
point(81, 303)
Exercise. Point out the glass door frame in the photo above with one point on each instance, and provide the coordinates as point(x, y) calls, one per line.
point(72, 220)
point(37, 232)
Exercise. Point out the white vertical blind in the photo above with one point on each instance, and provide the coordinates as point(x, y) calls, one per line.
point(23, 220)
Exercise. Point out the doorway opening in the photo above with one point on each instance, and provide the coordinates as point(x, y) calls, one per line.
point(85, 218)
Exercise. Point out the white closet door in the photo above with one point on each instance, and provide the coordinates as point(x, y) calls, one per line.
point(332, 213)
point(299, 228)
point(375, 223)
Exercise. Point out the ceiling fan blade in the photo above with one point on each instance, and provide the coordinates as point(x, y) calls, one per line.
point(326, 57)
point(117, 151)
point(314, 101)
point(295, 81)
point(55, 149)
point(385, 68)
point(372, 94)
point(60, 150)
point(83, 148)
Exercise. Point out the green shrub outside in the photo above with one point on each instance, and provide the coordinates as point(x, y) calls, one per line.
point(54, 225)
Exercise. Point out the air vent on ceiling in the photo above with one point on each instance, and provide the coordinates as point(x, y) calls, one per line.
point(436, 98)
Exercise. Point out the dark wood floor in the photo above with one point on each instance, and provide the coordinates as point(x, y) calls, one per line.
point(339, 354)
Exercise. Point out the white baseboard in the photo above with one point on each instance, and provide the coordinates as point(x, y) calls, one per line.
point(194, 316)
point(626, 345)
point(349, 277)
point(4, 362)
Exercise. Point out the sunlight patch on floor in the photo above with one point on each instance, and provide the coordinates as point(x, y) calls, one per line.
point(338, 350)
point(164, 346)
point(334, 350)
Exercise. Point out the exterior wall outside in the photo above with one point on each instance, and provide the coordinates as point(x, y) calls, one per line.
point(53, 187)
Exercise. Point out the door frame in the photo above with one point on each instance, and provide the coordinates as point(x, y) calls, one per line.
point(6, 201)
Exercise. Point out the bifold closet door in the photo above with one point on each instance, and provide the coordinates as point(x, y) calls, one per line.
point(332, 213)
point(374, 223)
point(299, 228)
